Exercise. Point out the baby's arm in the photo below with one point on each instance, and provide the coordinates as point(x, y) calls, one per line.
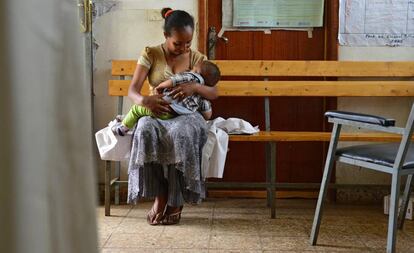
point(164, 85)
point(206, 109)
point(175, 80)
point(207, 115)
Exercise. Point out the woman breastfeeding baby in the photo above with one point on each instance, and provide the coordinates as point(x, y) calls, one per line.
point(166, 154)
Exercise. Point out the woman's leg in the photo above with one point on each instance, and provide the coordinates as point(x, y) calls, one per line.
point(153, 142)
point(156, 184)
point(169, 202)
point(184, 184)
point(160, 202)
point(176, 196)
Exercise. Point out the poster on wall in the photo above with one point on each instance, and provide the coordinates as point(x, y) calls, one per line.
point(278, 13)
point(376, 23)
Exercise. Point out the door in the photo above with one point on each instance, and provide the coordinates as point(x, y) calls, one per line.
point(296, 162)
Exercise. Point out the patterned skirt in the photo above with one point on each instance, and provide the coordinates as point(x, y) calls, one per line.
point(166, 158)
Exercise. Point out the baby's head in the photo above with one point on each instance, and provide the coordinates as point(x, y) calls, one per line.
point(210, 72)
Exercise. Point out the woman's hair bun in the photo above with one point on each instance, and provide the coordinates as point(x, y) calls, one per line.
point(164, 11)
point(176, 20)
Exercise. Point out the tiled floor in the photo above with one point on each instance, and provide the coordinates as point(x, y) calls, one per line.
point(243, 225)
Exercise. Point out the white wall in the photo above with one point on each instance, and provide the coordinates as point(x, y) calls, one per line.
point(121, 31)
point(397, 108)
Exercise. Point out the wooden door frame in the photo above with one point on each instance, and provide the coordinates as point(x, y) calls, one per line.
point(202, 26)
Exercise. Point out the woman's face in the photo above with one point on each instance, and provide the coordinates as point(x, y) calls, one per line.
point(179, 41)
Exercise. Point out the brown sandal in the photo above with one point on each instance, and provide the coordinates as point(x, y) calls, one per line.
point(173, 218)
point(154, 218)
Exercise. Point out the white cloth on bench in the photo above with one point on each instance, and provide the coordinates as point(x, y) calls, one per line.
point(117, 148)
point(113, 147)
point(235, 126)
point(215, 150)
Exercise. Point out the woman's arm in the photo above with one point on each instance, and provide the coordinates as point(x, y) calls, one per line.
point(134, 91)
point(155, 103)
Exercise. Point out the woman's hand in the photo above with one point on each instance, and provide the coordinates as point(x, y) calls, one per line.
point(156, 104)
point(184, 90)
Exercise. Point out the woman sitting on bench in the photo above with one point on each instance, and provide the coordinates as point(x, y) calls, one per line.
point(166, 154)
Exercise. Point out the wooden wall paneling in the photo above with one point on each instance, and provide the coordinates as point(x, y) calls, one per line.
point(297, 162)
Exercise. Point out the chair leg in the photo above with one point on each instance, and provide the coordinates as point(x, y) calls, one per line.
point(108, 188)
point(330, 158)
point(392, 219)
point(404, 204)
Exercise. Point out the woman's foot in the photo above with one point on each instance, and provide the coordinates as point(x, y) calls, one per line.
point(172, 215)
point(156, 214)
point(154, 217)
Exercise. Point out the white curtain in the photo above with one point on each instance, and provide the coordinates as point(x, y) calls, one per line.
point(47, 185)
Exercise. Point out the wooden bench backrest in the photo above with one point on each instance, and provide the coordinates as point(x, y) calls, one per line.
point(354, 71)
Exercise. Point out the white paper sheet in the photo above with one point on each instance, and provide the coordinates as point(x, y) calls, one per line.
point(227, 23)
point(376, 23)
point(278, 13)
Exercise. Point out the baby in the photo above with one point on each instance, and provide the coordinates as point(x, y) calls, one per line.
point(206, 73)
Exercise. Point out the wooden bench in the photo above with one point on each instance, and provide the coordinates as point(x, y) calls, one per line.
point(358, 86)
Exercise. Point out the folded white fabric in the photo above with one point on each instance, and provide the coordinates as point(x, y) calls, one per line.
point(113, 147)
point(235, 126)
point(215, 149)
point(214, 152)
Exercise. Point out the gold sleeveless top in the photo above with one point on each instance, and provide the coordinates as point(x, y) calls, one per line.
point(153, 58)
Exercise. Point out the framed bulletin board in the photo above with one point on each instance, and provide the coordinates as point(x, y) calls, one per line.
point(278, 13)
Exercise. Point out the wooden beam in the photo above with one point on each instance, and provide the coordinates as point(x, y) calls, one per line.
point(123, 67)
point(120, 88)
point(261, 194)
point(316, 68)
point(295, 88)
point(317, 88)
point(294, 136)
point(295, 68)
